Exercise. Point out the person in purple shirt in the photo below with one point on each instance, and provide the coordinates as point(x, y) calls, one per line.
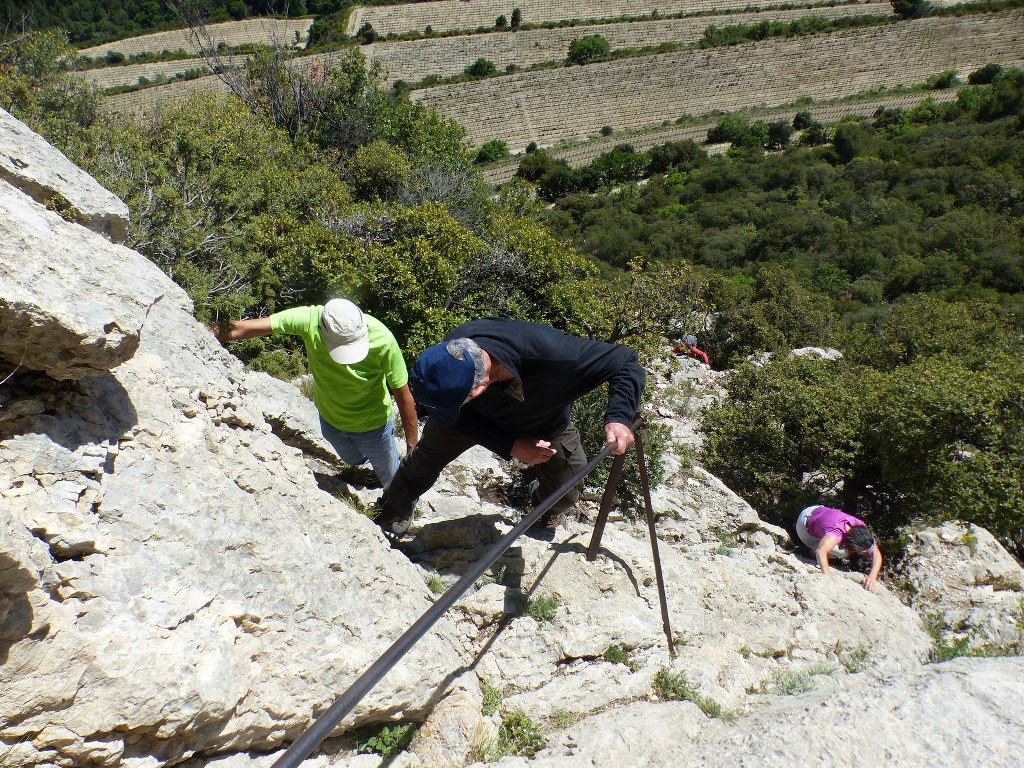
point(829, 531)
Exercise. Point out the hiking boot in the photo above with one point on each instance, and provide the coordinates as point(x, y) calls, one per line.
point(394, 524)
point(547, 524)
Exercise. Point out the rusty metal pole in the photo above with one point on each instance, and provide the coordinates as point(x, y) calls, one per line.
point(606, 505)
point(645, 484)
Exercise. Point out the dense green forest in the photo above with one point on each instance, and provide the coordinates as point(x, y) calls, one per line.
point(895, 239)
point(93, 21)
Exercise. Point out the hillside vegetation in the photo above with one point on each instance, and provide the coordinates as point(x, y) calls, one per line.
point(87, 21)
point(896, 239)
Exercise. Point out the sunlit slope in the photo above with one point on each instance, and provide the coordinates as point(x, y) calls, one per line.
point(549, 106)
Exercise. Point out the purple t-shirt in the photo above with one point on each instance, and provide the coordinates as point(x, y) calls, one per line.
point(825, 520)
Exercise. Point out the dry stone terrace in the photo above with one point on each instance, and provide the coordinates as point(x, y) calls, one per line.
point(583, 154)
point(576, 102)
point(447, 56)
point(110, 77)
point(263, 31)
point(454, 14)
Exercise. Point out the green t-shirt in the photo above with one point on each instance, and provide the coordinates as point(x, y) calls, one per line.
point(352, 398)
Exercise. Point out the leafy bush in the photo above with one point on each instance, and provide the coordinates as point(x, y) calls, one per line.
point(587, 49)
point(481, 68)
point(985, 75)
point(518, 735)
point(909, 9)
point(802, 120)
point(730, 128)
point(491, 698)
point(945, 79)
point(390, 740)
point(495, 149)
point(542, 608)
point(908, 426)
point(673, 686)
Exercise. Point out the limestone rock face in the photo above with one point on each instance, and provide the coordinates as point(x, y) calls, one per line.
point(72, 304)
point(172, 580)
point(39, 170)
point(969, 586)
point(967, 712)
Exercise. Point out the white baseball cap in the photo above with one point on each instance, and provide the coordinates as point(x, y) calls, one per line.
point(345, 332)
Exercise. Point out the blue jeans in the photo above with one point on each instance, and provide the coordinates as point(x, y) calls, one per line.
point(376, 446)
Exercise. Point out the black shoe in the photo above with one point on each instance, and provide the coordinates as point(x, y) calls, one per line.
point(394, 524)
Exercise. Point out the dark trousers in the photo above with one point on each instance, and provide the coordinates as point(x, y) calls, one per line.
point(439, 446)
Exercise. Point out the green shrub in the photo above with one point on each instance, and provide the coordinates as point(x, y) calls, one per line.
point(436, 583)
point(495, 149)
point(481, 68)
point(985, 75)
point(792, 682)
point(518, 735)
point(802, 120)
point(673, 686)
point(588, 48)
point(945, 79)
point(619, 654)
point(390, 740)
point(491, 698)
point(542, 608)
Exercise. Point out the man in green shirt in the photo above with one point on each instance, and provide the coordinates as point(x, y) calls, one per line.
point(357, 367)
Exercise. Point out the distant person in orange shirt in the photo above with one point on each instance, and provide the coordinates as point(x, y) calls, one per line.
point(688, 346)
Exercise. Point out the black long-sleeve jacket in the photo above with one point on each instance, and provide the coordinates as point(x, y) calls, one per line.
point(554, 369)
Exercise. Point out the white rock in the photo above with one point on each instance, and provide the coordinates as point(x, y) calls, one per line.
point(44, 173)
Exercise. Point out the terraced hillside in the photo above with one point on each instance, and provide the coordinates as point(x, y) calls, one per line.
point(129, 74)
point(447, 56)
point(454, 14)
point(550, 106)
point(261, 31)
point(582, 154)
point(149, 99)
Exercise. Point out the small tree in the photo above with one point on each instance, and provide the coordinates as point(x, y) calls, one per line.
point(481, 68)
point(588, 48)
point(495, 149)
point(947, 78)
point(909, 9)
point(517, 18)
point(366, 34)
point(802, 120)
point(501, 22)
point(730, 128)
point(779, 134)
point(985, 75)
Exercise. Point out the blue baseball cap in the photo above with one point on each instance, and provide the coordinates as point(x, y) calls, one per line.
point(441, 382)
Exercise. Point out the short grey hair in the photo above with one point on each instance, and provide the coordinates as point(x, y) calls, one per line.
point(460, 349)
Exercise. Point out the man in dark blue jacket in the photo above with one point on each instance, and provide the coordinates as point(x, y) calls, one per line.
point(509, 386)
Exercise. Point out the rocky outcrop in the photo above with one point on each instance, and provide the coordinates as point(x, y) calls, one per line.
point(172, 579)
point(966, 713)
point(969, 588)
point(39, 170)
point(72, 304)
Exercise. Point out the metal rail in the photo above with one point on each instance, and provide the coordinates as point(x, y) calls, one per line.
point(321, 728)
